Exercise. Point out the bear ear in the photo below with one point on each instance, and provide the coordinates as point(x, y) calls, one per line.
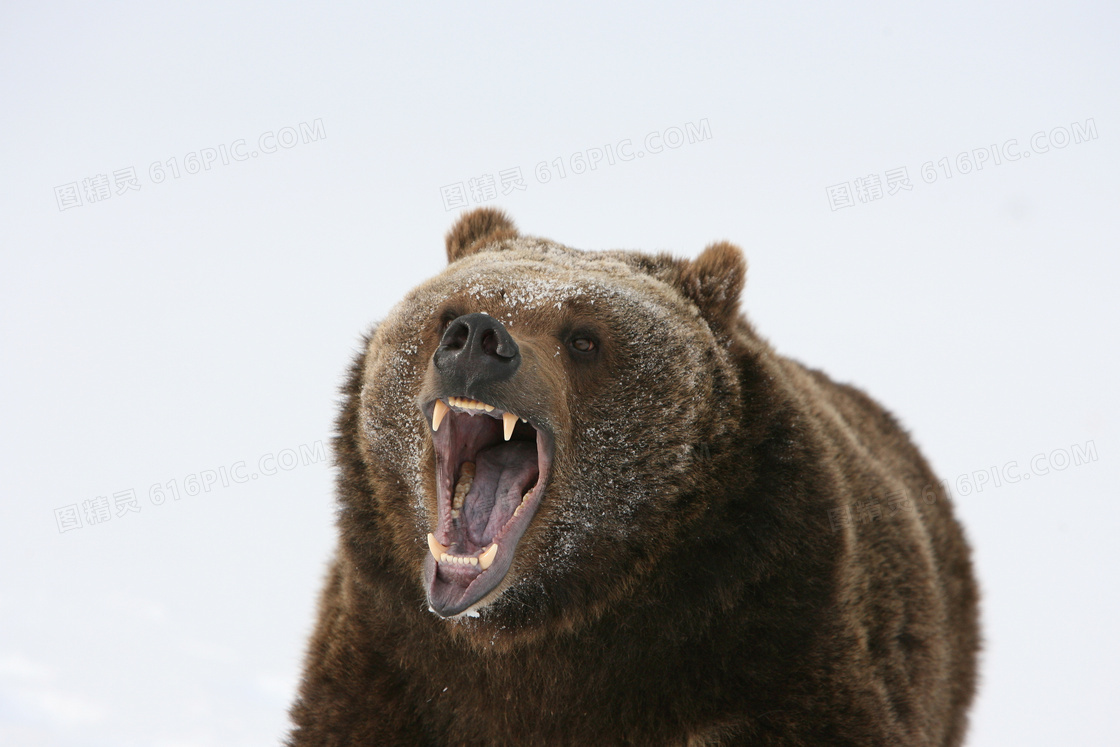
point(713, 281)
point(476, 229)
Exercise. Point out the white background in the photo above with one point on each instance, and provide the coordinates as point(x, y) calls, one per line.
point(207, 320)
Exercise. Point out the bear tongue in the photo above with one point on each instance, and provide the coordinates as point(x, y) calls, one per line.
point(503, 474)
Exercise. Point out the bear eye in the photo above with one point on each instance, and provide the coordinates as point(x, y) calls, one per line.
point(583, 344)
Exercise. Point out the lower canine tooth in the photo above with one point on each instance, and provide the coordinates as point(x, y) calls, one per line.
point(435, 547)
point(486, 558)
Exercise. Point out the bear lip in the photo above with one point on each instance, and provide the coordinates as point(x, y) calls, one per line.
point(511, 479)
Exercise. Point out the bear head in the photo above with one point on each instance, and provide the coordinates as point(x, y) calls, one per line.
point(532, 427)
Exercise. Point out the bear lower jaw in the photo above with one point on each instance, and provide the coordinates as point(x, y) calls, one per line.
point(483, 560)
point(460, 584)
point(484, 501)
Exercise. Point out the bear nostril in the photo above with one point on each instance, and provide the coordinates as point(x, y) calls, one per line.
point(456, 336)
point(489, 342)
point(476, 347)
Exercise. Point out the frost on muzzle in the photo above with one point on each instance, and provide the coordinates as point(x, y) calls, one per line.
point(492, 465)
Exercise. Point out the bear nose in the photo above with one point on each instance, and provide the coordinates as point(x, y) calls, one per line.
point(476, 349)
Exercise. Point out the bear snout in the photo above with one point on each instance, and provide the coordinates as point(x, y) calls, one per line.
point(476, 350)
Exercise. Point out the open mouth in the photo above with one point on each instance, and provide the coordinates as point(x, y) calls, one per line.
point(491, 470)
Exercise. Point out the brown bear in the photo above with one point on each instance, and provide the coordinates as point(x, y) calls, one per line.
point(583, 502)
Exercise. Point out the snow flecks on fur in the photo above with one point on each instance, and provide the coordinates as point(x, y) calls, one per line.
point(611, 467)
point(389, 404)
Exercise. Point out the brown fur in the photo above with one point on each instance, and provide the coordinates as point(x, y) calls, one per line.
point(681, 583)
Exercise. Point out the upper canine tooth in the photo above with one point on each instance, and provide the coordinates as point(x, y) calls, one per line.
point(438, 414)
point(509, 420)
point(436, 548)
point(486, 558)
